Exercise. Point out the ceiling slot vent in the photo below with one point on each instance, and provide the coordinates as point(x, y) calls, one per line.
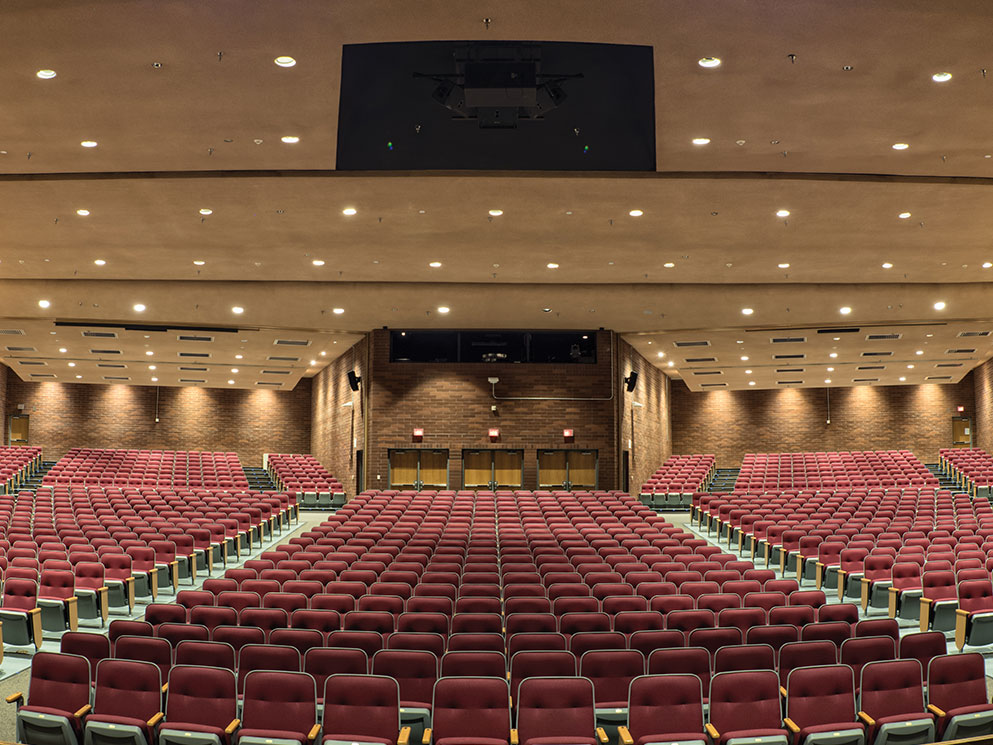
point(789, 356)
point(789, 369)
point(883, 337)
point(201, 355)
point(292, 342)
point(100, 334)
point(961, 351)
point(865, 380)
point(789, 382)
point(707, 372)
point(713, 385)
point(788, 339)
point(263, 382)
point(193, 369)
point(849, 330)
point(31, 362)
point(871, 367)
point(949, 364)
point(688, 344)
point(43, 375)
point(877, 354)
point(968, 334)
point(938, 377)
point(116, 377)
point(11, 332)
point(192, 380)
point(275, 372)
point(192, 337)
point(692, 360)
point(110, 364)
point(283, 359)
point(105, 351)
point(21, 349)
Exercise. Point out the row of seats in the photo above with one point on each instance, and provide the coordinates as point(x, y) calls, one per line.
point(676, 480)
point(306, 477)
point(972, 469)
point(818, 704)
point(148, 467)
point(17, 464)
point(829, 470)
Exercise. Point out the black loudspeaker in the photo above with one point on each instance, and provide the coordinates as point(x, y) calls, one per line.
point(631, 381)
point(353, 380)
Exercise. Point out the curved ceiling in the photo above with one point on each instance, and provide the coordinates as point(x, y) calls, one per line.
point(187, 109)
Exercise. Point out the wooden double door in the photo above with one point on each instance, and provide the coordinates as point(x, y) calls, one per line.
point(416, 468)
point(567, 469)
point(492, 469)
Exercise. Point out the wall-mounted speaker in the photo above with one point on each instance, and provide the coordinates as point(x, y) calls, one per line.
point(631, 381)
point(353, 380)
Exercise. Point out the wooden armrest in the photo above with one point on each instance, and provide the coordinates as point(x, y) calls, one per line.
point(17, 698)
point(165, 687)
point(625, 735)
point(866, 718)
point(314, 731)
point(83, 711)
point(230, 729)
point(426, 737)
point(791, 726)
point(404, 737)
point(782, 691)
point(961, 612)
point(514, 739)
point(156, 718)
point(935, 710)
point(712, 731)
point(601, 734)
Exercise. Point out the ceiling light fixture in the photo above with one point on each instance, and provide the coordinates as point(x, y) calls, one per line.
point(782, 213)
point(239, 356)
point(887, 265)
point(709, 62)
point(940, 305)
point(661, 354)
point(349, 211)
point(902, 378)
point(845, 310)
point(636, 213)
point(827, 380)
point(701, 140)
point(285, 61)
point(671, 363)
point(744, 358)
point(290, 139)
point(63, 350)
point(230, 382)
point(435, 264)
point(46, 74)
point(903, 215)
point(910, 367)
point(149, 353)
point(234, 369)
point(941, 77)
point(313, 362)
point(318, 262)
point(751, 382)
point(237, 310)
point(83, 213)
point(668, 265)
point(99, 262)
point(784, 265)
point(72, 364)
point(324, 354)
point(919, 351)
point(44, 303)
point(80, 376)
point(987, 265)
point(151, 367)
point(496, 213)
point(830, 369)
point(337, 311)
point(206, 211)
point(443, 308)
point(138, 308)
point(747, 311)
point(552, 265)
point(748, 372)
point(199, 262)
point(833, 355)
point(89, 143)
point(900, 145)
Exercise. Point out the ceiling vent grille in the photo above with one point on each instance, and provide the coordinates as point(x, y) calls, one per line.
point(969, 334)
point(100, 334)
point(949, 364)
point(789, 356)
point(883, 337)
point(789, 369)
point(877, 354)
point(789, 382)
point(11, 332)
point(689, 344)
point(192, 380)
point(788, 339)
point(275, 372)
point(713, 385)
point(43, 375)
point(961, 351)
point(192, 369)
point(198, 355)
point(193, 337)
point(32, 362)
point(283, 359)
point(21, 349)
point(265, 382)
point(865, 380)
point(871, 367)
point(292, 342)
point(111, 364)
point(707, 372)
point(938, 377)
point(105, 351)
point(116, 377)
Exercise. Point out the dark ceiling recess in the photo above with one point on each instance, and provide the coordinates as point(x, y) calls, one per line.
point(473, 105)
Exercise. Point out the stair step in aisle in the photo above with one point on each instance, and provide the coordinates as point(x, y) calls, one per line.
point(723, 480)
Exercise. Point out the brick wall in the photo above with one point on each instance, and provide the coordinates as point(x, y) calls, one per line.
point(732, 423)
point(249, 423)
point(337, 414)
point(452, 403)
point(644, 417)
point(983, 420)
point(4, 370)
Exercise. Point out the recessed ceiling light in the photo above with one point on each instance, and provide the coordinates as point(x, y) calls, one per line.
point(285, 61)
point(239, 356)
point(199, 262)
point(238, 310)
point(290, 139)
point(99, 262)
point(751, 382)
point(44, 303)
point(782, 213)
point(709, 62)
point(313, 362)
point(902, 378)
point(89, 143)
point(938, 77)
point(940, 305)
point(744, 358)
point(83, 213)
point(337, 311)
point(349, 211)
point(661, 354)
point(546, 310)
point(230, 382)
point(496, 213)
point(234, 369)
point(552, 265)
point(830, 369)
point(671, 363)
point(900, 146)
point(636, 213)
point(318, 262)
point(784, 265)
point(903, 215)
point(435, 264)
point(206, 211)
point(138, 307)
point(832, 355)
point(46, 74)
point(987, 265)
point(827, 380)
point(837, 338)
point(63, 350)
point(928, 335)
point(845, 310)
point(80, 376)
point(152, 367)
point(748, 372)
point(919, 351)
point(149, 353)
point(668, 265)
point(747, 311)
point(324, 354)
point(887, 265)
point(72, 364)
point(739, 341)
point(910, 367)
point(701, 140)
point(443, 309)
